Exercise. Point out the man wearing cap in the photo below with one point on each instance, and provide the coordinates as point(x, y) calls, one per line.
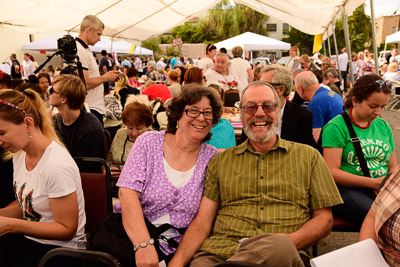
point(15, 67)
point(90, 33)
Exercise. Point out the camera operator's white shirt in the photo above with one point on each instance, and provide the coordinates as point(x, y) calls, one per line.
point(95, 96)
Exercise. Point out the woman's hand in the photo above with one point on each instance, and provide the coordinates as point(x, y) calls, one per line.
point(115, 172)
point(146, 257)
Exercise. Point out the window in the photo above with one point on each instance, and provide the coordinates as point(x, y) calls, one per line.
point(271, 27)
point(394, 29)
point(285, 27)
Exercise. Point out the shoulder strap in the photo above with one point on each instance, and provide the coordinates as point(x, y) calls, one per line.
point(356, 143)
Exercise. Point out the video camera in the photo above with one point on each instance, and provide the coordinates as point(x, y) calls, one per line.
point(67, 47)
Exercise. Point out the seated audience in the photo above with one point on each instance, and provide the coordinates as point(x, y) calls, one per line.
point(154, 90)
point(306, 64)
point(250, 218)
point(382, 221)
point(5, 80)
point(364, 103)
point(162, 180)
point(49, 211)
point(123, 89)
point(331, 79)
point(81, 134)
point(112, 118)
point(133, 75)
point(137, 118)
point(221, 74)
point(391, 74)
point(175, 87)
point(44, 83)
point(194, 75)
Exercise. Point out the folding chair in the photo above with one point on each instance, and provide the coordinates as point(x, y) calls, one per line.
point(97, 192)
point(77, 257)
point(107, 142)
point(395, 97)
point(231, 97)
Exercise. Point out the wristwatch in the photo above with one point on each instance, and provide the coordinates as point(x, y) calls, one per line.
point(143, 244)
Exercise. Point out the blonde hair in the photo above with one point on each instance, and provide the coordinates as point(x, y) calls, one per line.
point(304, 59)
point(392, 67)
point(143, 99)
point(72, 88)
point(34, 107)
point(122, 83)
point(237, 51)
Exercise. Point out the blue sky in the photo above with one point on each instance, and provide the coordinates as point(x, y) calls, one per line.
point(383, 7)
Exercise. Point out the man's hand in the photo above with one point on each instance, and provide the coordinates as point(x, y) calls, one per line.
point(111, 76)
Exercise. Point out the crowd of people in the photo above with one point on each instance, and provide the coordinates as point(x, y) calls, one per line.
point(265, 195)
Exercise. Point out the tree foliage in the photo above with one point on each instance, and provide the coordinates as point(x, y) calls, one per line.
point(152, 44)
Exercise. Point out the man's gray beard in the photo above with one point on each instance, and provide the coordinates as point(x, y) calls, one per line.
point(270, 133)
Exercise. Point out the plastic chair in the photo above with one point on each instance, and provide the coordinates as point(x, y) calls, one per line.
point(395, 97)
point(77, 257)
point(97, 192)
point(342, 225)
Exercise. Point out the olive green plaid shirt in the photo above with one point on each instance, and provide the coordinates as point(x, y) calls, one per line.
point(274, 192)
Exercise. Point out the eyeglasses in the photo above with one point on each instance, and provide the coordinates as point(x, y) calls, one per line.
point(195, 113)
point(275, 84)
point(51, 90)
point(13, 106)
point(252, 108)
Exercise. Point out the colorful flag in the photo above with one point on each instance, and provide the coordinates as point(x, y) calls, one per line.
point(318, 43)
point(132, 49)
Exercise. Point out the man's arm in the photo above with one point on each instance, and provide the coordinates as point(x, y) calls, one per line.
point(368, 227)
point(109, 76)
point(316, 132)
point(196, 233)
point(314, 230)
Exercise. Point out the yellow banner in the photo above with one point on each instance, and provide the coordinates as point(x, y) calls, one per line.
point(132, 49)
point(317, 43)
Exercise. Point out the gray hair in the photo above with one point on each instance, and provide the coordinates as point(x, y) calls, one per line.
point(281, 75)
point(331, 72)
point(91, 21)
point(260, 83)
point(306, 79)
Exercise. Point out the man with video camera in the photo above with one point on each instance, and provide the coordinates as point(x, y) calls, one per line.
point(90, 33)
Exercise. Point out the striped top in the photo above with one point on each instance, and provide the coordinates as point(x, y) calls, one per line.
point(274, 192)
point(387, 223)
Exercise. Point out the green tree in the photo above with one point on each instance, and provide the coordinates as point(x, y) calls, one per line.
point(300, 39)
point(153, 44)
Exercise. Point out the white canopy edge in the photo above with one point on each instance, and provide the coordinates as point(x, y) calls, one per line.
point(252, 42)
point(393, 38)
point(139, 20)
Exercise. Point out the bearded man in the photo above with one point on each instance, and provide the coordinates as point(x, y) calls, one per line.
point(270, 198)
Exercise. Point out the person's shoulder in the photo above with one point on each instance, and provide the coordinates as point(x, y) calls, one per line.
point(297, 109)
point(295, 147)
point(90, 120)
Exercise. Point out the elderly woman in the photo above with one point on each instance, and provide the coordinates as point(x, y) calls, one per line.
point(222, 75)
point(293, 62)
point(363, 105)
point(163, 177)
point(383, 220)
point(207, 62)
point(138, 118)
point(241, 67)
point(306, 64)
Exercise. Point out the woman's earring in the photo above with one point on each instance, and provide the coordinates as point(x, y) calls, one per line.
point(177, 124)
point(30, 135)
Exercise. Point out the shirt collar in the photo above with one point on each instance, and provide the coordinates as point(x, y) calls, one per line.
point(82, 42)
point(280, 144)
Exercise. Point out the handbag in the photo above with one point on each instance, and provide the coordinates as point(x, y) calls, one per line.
point(109, 235)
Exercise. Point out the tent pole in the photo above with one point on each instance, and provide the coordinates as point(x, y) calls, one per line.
point(348, 47)
point(112, 42)
point(329, 48)
point(337, 52)
point(373, 28)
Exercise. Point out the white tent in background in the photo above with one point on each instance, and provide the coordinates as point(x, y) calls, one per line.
point(253, 42)
point(120, 47)
point(393, 38)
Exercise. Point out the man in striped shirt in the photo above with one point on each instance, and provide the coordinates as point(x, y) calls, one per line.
point(270, 198)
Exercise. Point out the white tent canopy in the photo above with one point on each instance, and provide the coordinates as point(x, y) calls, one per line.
point(139, 20)
point(252, 42)
point(393, 38)
point(120, 47)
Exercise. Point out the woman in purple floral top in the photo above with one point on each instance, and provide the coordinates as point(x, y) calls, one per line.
point(163, 177)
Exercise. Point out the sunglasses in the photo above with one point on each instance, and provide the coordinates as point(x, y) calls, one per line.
point(380, 84)
point(51, 91)
point(252, 108)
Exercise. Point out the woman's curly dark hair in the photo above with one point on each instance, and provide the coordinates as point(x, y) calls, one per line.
point(191, 94)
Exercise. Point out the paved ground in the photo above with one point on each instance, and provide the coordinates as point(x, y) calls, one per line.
point(337, 240)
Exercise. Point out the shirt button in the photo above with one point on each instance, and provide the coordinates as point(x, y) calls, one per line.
point(258, 226)
point(176, 192)
point(262, 208)
point(262, 177)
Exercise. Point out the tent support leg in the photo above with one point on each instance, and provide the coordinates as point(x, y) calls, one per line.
point(337, 53)
point(329, 48)
point(373, 28)
point(348, 46)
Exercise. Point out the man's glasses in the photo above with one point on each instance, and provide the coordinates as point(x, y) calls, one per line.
point(13, 106)
point(195, 113)
point(51, 91)
point(252, 108)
